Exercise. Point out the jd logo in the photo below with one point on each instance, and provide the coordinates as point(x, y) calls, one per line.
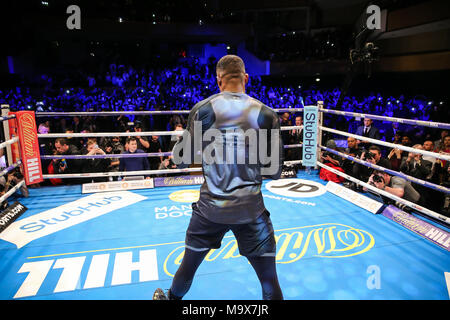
point(297, 188)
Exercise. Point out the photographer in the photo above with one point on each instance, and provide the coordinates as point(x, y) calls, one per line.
point(65, 166)
point(6, 183)
point(373, 155)
point(394, 185)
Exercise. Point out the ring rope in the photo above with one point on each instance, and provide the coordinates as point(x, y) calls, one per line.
point(392, 172)
point(387, 194)
point(129, 155)
point(110, 134)
point(5, 118)
point(439, 125)
point(11, 191)
point(388, 144)
point(10, 168)
point(118, 173)
point(9, 142)
point(130, 134)
point(117, 113)
point(108, 156)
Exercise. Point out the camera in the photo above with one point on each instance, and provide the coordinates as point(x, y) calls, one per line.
point(369, 156)
point(376, 178)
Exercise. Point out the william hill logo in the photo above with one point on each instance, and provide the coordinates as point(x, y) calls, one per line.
point(108, 268)
point(329, 240)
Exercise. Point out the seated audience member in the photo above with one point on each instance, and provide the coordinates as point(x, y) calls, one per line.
point(414, 165)
point(114, 162)
point(394, 185)
point(45, 145)
point(439, 144)
point(95, 164)
point(66, 166)
point(135, 163)
point(142, 142)
point(331, 160)
point(445, 206)
point(406, 141)
point(175, 138)
point(296, 137)
point(284, 122)
point(154, 147)
point(368, 130)
point(373, 155)
point(391, 132)
point(351, 150)
point(428, 145)
point(77, 142)
point(395, 158)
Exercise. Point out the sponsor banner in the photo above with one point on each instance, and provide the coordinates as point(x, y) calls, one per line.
point(178, 181)
point(39, 225)
point(354, 197)
point(288, 172)
point(29, 146)
point(10, 214)
point(310, 132)
point(422, 228)
point(117, 186)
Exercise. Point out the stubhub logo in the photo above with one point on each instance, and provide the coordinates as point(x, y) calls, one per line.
point(39, 225)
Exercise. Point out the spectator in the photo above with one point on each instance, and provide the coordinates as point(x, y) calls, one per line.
point(373, 155)
point(95, 164)
point(353, 150)
point(142, 142)
point(394, 185)
point(415, 166)
point(439, 144)
point(284, 122)
point(45, 145)
point(66, 166)
point(135, 163)
point(296, 137)
point(367, 130)
point(174, 139)
point(154, 147)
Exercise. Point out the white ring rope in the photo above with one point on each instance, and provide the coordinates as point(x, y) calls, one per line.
point(388, 144)
point(387, 194)
point(11, 191)
point(117, 113)
point(118, 173)
point(129, 134)
point(9, 142)
point(440, 125)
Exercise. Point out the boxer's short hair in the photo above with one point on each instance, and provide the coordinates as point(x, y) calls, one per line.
point(230, 67)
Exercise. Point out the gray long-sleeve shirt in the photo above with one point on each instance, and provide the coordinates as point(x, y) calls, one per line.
point(237, 141)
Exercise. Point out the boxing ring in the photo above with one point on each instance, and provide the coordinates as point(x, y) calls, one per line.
point(76, 244)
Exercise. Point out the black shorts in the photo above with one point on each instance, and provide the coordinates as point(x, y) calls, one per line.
point(254, 239)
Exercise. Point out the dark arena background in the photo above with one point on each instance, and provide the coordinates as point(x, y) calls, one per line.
point(368, 219)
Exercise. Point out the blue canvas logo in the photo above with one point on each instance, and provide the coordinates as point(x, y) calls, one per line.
point(39, 225)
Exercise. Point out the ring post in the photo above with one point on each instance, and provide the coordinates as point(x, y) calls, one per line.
point(6, 133)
